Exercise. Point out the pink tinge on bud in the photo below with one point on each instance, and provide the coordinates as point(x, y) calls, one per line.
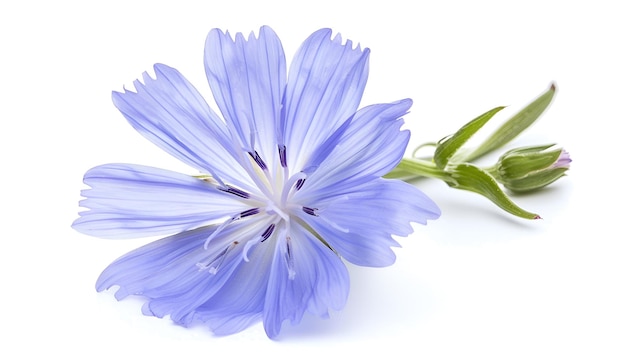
point(563, 161)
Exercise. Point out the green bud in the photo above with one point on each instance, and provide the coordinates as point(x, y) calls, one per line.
point(530, 168)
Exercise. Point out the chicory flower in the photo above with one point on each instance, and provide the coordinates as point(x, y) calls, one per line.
point(289, 183)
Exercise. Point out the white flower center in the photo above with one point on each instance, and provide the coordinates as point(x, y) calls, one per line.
point(273, 199)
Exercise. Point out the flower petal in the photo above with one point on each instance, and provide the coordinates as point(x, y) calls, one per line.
point(241, 300)
point(128, 200)
point(182, 293)
point(320, 282)
point(359, 224)
point(172, 114)
point(138, 272)
point(247, 78)
point(167, 273)
point(371, 146)
point(325, 85)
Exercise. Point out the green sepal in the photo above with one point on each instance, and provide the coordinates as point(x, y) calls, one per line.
point(538, 181)
point(522, 162)
point(515, 125)
point(529, 168)
point(450, 145)
point(469, 177)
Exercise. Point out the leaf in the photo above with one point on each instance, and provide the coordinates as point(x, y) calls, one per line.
point(450, 145)
point(469, 177)
point(515, 125)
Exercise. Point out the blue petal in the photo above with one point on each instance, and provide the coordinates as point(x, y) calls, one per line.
point(241, 300)
point(321, 281)
point(139, 271)
point(371, 146)
point(128, 200)
point(171, 113)
point(167, 273)
point(359, 224)
point(247, 78)
point(325, 85)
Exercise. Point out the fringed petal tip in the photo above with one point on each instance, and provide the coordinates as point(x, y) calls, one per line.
point(337, 39)
point(128, 200)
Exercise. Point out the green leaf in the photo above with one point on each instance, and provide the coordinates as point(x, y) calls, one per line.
point(450, 145)
point(515, 125)
point(469, 177)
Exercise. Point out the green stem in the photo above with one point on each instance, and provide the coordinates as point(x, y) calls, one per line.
point(412, 168)
point(493, 171)
point(462, 176)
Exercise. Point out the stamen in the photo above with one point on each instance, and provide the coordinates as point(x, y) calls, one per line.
point(238, 192)
point(214, 265)
point(210, 178)
point(249, 212)
point(223, 225)
point(271, 208)
point(310, 211)
point(282, 154)
point(300, 183)
point(289, 260)
point(297, 179)
point(250, 243)
point(259, 161)
point(268, 232)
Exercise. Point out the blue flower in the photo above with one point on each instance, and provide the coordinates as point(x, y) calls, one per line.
point(290, 182)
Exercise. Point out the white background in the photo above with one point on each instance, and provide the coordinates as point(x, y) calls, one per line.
point(477, 282)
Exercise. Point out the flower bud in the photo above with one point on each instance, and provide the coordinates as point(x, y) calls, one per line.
point(529, 168)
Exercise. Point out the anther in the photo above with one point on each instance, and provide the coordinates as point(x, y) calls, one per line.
point(282, 154)
point(310, 211)
point(257, 158)
point(248, 212)
point(238, 192)
point(268, 232)
point(251, 243)
point(227, 222)
point(294, 182)
point(289, 259)
point(300, 183)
